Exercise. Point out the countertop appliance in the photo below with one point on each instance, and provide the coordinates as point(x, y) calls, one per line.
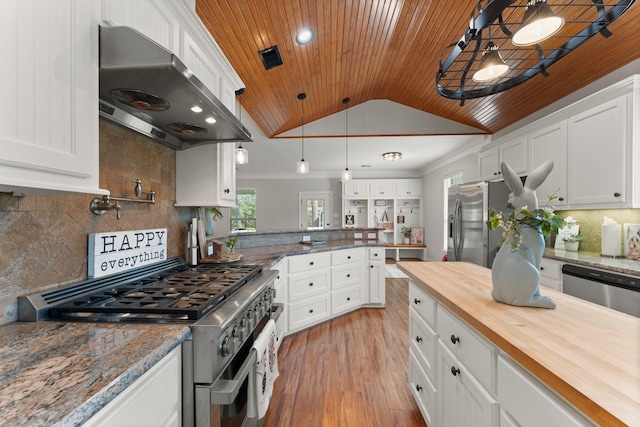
point(226, 306)
point(620, 292)
point(148, 89)
point(469, 238)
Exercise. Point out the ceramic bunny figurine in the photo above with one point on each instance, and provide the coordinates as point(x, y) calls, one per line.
point(515, 274)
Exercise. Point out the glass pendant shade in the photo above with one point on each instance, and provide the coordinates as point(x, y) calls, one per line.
point(242, 155)
point(492, 66)
point(539, 23)
point(346, 175)
point(303, 166)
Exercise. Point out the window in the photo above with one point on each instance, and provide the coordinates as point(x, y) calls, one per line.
point(453, 179)
point(243, 218)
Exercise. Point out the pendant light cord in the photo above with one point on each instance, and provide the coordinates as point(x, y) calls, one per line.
point(346, 132)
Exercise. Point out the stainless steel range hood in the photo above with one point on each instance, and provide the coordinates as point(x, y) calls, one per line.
point(146, 88)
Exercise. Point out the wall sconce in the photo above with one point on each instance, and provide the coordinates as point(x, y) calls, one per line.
point(531, 39)
point(303, 166)
point(346, 173)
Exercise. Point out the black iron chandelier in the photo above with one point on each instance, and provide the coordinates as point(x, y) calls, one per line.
point(510, 41)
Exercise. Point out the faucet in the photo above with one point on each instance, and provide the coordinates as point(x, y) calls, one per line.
point(100, 206)
point(107, 203)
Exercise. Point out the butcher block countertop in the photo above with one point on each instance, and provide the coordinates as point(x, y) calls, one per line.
point(588, 354)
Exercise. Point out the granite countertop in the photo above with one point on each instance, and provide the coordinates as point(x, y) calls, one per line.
point(61, 373)
point(268, 256)
point(54, 373)
point(595, 260)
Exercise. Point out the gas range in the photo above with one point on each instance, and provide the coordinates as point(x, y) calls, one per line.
point(169, 291)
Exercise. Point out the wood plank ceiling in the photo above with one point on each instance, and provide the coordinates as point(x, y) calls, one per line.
point(384, 49)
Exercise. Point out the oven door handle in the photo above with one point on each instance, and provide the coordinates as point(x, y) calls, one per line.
point(224, 392)
point(277, 308)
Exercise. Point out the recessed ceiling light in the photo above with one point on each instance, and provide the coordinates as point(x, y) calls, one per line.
point(196, 109)
point(392, 155)
point(304, 36)
point(210, 120)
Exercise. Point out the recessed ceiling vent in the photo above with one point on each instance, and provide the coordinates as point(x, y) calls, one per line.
point(270, 57)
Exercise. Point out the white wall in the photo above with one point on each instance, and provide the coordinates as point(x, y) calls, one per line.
point(277, 200)
point(433, 186)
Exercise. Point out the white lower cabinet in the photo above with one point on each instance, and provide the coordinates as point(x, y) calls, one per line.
point(154, 399)
point(526, 403)
point(376, 276)
point(551, 273)
point(462, 399)
point(308, 312)
point(459, 378)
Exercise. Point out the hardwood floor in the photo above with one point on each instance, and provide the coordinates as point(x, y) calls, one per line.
point(349, 371)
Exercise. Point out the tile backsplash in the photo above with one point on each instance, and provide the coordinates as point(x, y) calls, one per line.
point(590, 222)
point(43, 240)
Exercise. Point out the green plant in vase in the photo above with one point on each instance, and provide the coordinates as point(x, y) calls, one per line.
point(406, 232)
point(572, 241)
point(231, 244)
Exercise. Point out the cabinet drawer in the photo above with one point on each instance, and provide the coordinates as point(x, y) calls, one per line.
point(309, 312)
point(305, 285)
point(423, 304)
point(346, 299)
point(528, 402)
point(422, 389)
point(346, 275)
point(423, 340)
point(300, 263)
point(376, 253)
point(475, 352)
point(551, 269)
point(347, 255)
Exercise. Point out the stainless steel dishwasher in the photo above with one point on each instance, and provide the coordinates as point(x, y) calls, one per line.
point(614, 290)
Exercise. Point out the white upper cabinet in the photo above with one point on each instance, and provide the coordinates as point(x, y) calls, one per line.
point(600, 156)
point(408, 187)
point(355, 188)
point(206, 176)
point(550, 143)
point(381, 187)
point(48, 114)
point(513, 152)
point(177, 28)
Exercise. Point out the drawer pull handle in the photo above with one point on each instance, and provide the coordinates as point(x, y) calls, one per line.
point(311, 263)
point(541, 268)
point(348, 275)
point(349, 257)
point(372, 266)
point(416, 301)
point(454, 339)
point(348, 298)
point(616, 194)
point(311, 311)
point(418, 339)
point(418, 387)
point(311, 284)
point(455, 371)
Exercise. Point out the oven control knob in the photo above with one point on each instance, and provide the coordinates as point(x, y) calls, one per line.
point(230, 346)
point(250, 321)
point(237, 333)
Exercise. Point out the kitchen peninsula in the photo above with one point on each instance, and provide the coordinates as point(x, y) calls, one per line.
point(587, 355)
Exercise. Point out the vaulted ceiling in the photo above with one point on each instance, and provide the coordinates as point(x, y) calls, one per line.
point(384, 49)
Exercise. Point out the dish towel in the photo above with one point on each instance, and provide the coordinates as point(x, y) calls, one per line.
point(266, 367)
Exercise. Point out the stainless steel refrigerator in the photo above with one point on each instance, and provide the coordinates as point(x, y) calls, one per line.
point(469, 238)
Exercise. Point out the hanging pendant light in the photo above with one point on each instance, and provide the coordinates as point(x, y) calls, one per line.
point(242, 154)
point(538, 24)
point(346, 173)
point(492, 66)
point(303, 166)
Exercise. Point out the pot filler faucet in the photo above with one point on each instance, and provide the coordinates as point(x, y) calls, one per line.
point(101, 205)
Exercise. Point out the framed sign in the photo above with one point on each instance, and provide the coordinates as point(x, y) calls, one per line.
point(400, 219)
point(380, 202)
point(117, 251)
point(417, 236)
point(349, 220)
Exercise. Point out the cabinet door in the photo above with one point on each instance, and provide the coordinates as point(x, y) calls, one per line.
point(409, 187)
point(545, 144)
point(514, 154)
point(376, 282)
point(489, 164)
point(154, 19)
point(598, 161)
point(355, 188)
point(381, 188)
point(462, 401)
point(205, 176)
point(200, 63)
point(49, 85)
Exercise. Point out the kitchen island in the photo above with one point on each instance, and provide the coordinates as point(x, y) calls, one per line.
point(587, 354)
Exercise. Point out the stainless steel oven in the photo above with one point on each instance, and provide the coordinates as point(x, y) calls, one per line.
point(227, 307)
